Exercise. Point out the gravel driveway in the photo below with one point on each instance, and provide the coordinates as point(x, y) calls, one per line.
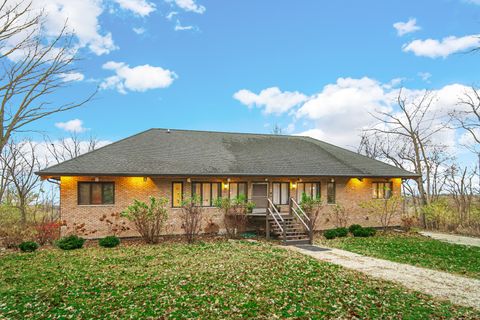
point(446, 286)
point(452, 238)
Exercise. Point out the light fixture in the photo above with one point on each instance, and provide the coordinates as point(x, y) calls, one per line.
point(332, 180)
point(96, 179)
point(189, 180)
point(300, 180)
point(225, 186)
point(266, 179)
point(293, 185)
point(360, 179)
point(144, 179)
point(228, 179)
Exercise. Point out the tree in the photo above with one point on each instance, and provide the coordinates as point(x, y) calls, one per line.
point(405, 139)
point(34, 68)
point(71, 147)
point(22, 165)
point(467, 117)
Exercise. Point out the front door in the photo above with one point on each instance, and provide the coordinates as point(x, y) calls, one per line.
point(260, 194)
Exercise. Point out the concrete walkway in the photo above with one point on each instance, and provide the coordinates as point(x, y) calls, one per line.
point(452, 238)
point(442, 285)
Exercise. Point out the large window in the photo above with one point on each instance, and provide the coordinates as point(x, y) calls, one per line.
point(281, 192)
point(382, 190)
point(331, 192)
point(207, 192)
point(95, 193)
point(177, 194)
point(311, 189)
point(237, 189)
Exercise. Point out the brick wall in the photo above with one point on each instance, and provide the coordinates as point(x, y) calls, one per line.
point(90, 220)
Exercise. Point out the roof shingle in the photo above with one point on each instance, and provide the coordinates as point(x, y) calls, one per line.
point(158, 152)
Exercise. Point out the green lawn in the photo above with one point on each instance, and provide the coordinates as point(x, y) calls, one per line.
point(415, 250)
point(208, 281)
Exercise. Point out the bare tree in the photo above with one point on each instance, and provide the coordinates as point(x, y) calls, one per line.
point(408, 137)
point(71, 147)
point(460, 186)
point(276, 129)
point(468, 117)
point(21, 169)
point(34, 68)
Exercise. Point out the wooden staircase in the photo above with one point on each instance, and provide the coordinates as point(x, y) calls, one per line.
point(293, 228)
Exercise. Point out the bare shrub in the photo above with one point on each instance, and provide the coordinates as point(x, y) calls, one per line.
point(384, 209)
point(340, 215)
point(192, 214)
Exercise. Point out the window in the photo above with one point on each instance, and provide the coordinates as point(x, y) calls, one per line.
point(177, 194)
point(331, 192)
point(311, 189)
point(382, 190)
point(237, 189)
point(281, 192)
point(207, 192)
point(95, 193)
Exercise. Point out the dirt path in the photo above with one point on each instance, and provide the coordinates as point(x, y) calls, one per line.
point(457, 289)
point(452, 238)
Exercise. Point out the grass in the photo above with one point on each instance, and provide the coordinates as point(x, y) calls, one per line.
point(415, 250)
point(222, 280)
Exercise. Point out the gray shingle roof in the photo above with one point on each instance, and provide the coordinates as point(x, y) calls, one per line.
point(183, 152)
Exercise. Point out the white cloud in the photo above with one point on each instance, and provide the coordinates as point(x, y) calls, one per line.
point(74, 126)
point(406, 27)
point(83, 20)
point(139, 78)
point(140, 7)
point(170, 15)
point(189, 5)
point(179, 27)
point(425, 76)
point(139, 30)
point(72, 76)
point(273, 100)
point(432, 48)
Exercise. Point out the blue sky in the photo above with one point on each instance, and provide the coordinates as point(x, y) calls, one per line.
point(205, 65)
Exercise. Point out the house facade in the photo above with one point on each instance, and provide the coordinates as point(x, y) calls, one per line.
point(268, 169)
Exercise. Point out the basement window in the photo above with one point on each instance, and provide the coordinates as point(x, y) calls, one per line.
point(382, 190)
point(96, 193)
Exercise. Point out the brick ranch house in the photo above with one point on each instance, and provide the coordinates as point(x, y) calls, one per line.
point(268, 169)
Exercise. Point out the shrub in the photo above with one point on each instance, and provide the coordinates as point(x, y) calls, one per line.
point(340, 215)
point(354, 227)
point(149, 219)
point(28, 246)
point(12, 234)
point(364, 232)
point(70, 243)
point(47, 231)
point(191, 217)
point(342, 232)
point(385, 209)
point(234, 214)
point(330, 234)
point(109, 242)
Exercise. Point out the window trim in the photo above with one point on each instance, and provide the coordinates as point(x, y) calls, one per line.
point(182, 194)
point(211, 204)
point(288, 192)
point(334, 183)
point(239, 182)
point(385, 183)
point(90, 193)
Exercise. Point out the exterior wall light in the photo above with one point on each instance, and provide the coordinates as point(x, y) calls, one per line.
point(144, 179)
point(225, 185)
point(189, 180)
point(293, 185)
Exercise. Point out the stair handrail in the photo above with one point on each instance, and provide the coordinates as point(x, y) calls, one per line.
point(300, 218)
point(275, 219)
point(300, 208)
point(274, 208)
point(308, 225)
